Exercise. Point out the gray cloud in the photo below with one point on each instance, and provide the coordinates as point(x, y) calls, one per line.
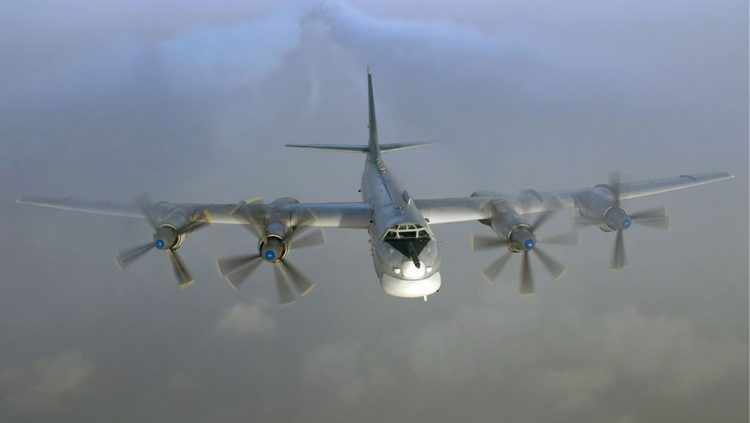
point(245, 319)
point(47, 383)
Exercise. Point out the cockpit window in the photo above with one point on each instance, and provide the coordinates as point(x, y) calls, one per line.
point(408, 239)
point(406, 231)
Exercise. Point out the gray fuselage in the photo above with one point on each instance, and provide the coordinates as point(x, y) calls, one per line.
point(404, 249)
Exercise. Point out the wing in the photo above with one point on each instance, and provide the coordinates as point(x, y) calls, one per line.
point(92, 207)
point(326, 215)
point(475, 207)
point(335, 215)
point(453, 210)
point(658, 186)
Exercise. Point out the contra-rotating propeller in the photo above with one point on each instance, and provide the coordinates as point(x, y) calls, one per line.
point(166, 238)
point(522, 239)
point(616, 219)
point(275, 241)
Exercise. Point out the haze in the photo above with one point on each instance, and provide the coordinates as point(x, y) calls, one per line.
point(193, 102)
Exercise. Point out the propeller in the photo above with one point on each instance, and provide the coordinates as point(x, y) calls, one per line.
point(166, 238)
point(273, 248)
point(616, 219)
point(522, 240)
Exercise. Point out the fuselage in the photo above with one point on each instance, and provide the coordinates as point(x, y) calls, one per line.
point(403, 247)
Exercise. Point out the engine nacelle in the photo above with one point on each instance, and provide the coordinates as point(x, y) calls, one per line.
point(278, 223)
point(596, 202)
point(509, 226)
point(599, 204)
point(504, 219)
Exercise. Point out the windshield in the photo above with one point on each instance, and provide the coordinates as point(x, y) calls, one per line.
point(408, 239)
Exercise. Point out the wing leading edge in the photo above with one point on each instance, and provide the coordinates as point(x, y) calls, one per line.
point(355, 215)
point(474, 208)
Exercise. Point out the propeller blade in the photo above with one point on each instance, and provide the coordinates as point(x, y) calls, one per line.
point(195, 224)
point(615, 181)
point(654, 218)
point(527, 279)
point(496, 267)
point(542, 219)
point(583, 221)
point(568, 238)
point(180, 270)
point(253, 224)
point(310, 239)
point(554, 267)
point(237, 269)
point(301, 283)
point(649, 213)
point(282, 287)
point(487, 242)
point(126, 257)
point(654, 222)
point(143, 201)
point(619, 258)
point(305, 218)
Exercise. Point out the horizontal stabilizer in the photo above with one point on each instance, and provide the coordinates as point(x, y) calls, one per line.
point(359, 148)
point(402, 146)
point(334, 147)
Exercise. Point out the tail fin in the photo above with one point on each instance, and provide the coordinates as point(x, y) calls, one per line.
point(373, 148)
point(372, 144)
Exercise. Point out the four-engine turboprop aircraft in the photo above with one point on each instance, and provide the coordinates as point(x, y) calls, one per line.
point(403, 246)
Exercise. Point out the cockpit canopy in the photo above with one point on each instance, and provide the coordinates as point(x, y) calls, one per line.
point(406, 231)
point(409, 239)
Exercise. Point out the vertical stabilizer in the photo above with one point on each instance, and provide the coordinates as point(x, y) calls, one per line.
point(373, 147)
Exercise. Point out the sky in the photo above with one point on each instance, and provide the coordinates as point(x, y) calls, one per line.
point(192, 101)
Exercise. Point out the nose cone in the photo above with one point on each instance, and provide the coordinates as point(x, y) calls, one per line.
point(272, 249)
point(165, 237)
point(522, 239)
point(410, 289)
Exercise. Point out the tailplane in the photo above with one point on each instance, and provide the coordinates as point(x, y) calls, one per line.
point(373, 147)
point(383, 148)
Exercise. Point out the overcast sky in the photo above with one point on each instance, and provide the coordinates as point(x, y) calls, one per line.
point(193, 101)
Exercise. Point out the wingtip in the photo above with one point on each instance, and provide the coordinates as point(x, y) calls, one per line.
point(28, 200)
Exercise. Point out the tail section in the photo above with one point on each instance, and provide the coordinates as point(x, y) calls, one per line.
point(372, 144)
point(373, 147)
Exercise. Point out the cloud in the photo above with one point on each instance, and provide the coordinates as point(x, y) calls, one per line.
point(345, 370)
point(669, 350)
point(181, 381)
point(44, 385)
point(573, 364)
point(245, 319)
